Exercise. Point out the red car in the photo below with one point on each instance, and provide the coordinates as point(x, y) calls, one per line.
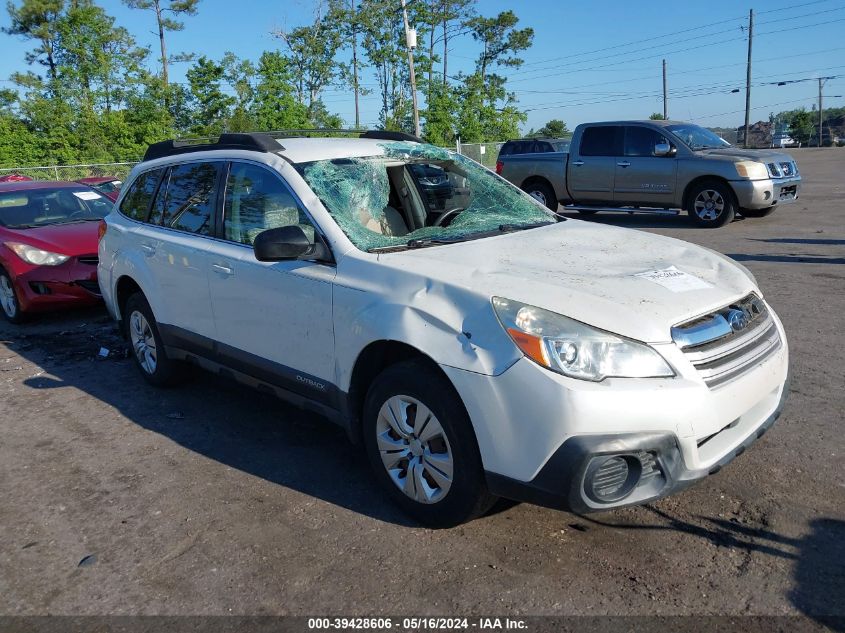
point(14, 178)
point(107, 185)
point(48, 246)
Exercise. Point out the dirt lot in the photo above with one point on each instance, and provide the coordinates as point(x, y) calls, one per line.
point(119, 498)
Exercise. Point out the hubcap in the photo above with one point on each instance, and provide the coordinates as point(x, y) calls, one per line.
point(709, 204)
point(143, 342)
point(414, 449)
point(538, 195)
point(7, 297)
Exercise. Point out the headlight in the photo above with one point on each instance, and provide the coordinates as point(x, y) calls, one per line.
point(574, 349)
point(751, 169)
point(36, 256)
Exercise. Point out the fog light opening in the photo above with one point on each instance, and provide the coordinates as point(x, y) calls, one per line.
point(613, 478)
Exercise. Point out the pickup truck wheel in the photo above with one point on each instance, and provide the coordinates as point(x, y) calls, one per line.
point(757, 213)
point(422, 448)
point(542, 192)
point(711, 204)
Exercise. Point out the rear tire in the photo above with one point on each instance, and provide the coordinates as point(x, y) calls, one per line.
point(711, 204)
point(542, 192)
point(422, 447)
point(146, 345)
point(757, 213)
point(9, 303)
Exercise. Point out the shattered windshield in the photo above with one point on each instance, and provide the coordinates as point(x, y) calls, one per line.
point(419, 195)
point(697, 137)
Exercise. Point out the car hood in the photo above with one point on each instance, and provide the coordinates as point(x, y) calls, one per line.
point(79, 238)
point(761, 155)
point(589, 272)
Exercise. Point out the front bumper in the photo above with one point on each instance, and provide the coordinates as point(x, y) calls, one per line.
point(761, 194)
point(539, 433)
point(44, 288)
point(565, 481)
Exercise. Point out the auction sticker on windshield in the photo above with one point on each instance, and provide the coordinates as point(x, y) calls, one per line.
point(87, 195)
point(674, 279)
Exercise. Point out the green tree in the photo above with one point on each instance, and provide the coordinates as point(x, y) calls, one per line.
point(553, 129)
point(656, 116)
point(166, 20)
point(212, 106)
point(440, 124)
point(500, 41)
point(311, 50)
point(37, 20)
point(275, 106)
point(801, 124)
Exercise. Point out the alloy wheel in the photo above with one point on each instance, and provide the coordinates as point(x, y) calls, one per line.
point(414, 449)
point(143, 342)
point(709, 204)
point(7, 297)
point(539, 196)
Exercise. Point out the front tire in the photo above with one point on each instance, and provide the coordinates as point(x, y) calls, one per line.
point(711, 204)
point(543, 193)
point(11, 306)
point(757, 213)
point(422, 447)
point(148, 350)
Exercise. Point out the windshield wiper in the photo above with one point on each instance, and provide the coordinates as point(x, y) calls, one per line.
point(422, 242)
point(508, 228)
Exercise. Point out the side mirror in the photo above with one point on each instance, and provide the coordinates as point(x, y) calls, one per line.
point(664, 149)
point(279, 244)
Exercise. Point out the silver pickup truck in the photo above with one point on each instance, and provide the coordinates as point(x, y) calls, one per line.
point(632, 165)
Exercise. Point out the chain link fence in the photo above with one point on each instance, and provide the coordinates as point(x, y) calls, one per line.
point(484, 153)
point(72, 172)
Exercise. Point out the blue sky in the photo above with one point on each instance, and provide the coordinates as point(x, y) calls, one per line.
point(590, 60)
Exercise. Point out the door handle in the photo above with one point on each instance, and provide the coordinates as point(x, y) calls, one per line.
point(624, 163)
point(148, 250)
point(578, 163)
point(223, 270)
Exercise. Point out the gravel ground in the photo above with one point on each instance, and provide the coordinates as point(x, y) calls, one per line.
point(117, 498)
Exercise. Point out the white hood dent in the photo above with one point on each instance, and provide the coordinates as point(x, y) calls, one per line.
point(582, 271)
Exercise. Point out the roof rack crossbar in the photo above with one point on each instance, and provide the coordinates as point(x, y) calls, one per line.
point(256, 142)
point(387, 135)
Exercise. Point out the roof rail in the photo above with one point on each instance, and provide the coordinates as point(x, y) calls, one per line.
point(256, 142)
point(387, 135)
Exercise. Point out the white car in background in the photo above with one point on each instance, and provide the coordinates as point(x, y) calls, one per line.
point(479, 348)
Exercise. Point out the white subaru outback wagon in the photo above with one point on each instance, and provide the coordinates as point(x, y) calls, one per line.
point(475, 344)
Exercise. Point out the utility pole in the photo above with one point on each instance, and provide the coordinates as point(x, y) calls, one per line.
point(411, 43)
point(821, 109)
point(354, 18)
point(665, 97)
point(748, 77)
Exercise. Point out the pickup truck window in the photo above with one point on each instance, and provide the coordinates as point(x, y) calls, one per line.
point(640, 141)
point(602, 140)
point(697, 137)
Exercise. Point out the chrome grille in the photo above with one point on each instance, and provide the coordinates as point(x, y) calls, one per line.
point(724, 345)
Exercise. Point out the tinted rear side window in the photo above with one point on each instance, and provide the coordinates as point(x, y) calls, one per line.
point(507, 148)
point(136, 203)
point(602, 140)
point(189, 202)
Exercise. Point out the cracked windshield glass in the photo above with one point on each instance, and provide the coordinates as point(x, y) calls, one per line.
point(416, 195)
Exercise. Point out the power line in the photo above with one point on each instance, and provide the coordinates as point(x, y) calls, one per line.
point(684, 40)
